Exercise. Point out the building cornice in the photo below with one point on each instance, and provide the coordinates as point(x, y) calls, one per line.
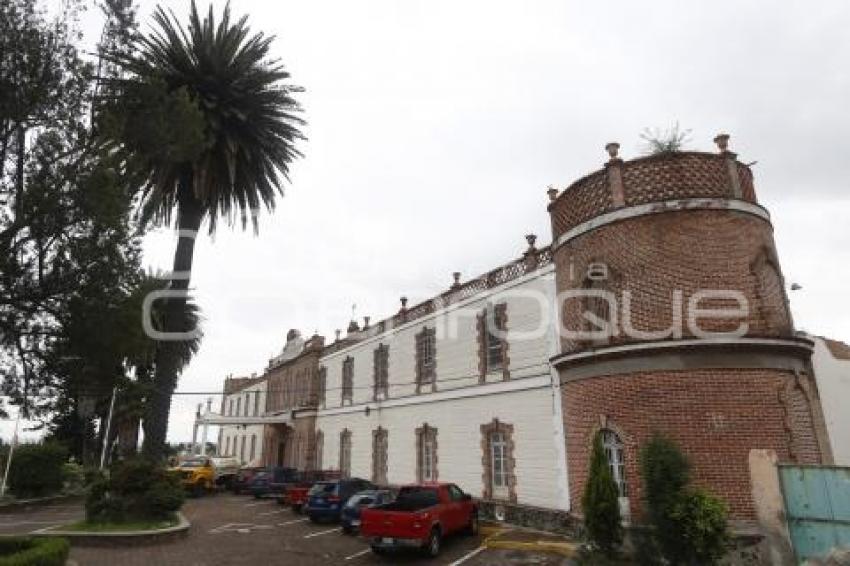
point(676, 205)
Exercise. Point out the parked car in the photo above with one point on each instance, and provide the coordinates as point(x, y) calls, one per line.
point(350, 515)
point(326, 498)
point(295, 494)
point(242, 481)
point(420, 517)
point(270, 481)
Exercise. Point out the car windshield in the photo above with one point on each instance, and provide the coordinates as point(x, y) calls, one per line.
point(196, 463)
point(322, 488)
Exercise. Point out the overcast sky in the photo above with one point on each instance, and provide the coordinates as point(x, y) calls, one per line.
point(435, 127)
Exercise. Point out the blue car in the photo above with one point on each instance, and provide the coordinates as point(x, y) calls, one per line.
point(350, 516)
point(326, 498)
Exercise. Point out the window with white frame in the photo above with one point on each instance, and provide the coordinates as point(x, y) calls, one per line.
point(499, 465)
point(347, 379)
point(616, 459)
point(426, 453)
point(426, 359)
point(345, 453)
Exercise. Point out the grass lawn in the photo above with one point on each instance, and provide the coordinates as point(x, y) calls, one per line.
point(117, 527)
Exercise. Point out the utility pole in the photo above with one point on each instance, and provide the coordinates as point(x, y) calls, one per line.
point(11, 453)
point(108, 427)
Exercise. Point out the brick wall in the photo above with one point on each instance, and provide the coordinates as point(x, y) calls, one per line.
point(715, 415)
point(653, 256)
point(650, 179)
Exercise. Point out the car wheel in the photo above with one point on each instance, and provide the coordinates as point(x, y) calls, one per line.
point(314, 518)
point(197, 490)
point(378, 550)
point(347, 529)
point(297, 508)
point(472, 527)
point(432, 547)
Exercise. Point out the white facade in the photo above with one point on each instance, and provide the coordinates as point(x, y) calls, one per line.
point(831, 364)
point(244, 442)
point(528, 401)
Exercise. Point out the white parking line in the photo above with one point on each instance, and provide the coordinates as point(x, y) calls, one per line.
point(272, 512)
point(293, 522)
point(258, 503)
point(467, 556)
point(311, 535)
point(361, 553)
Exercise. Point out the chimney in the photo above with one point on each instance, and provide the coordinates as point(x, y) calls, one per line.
point(456, 276)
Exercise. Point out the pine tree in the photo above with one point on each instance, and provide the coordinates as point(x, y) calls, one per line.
point(600, 503)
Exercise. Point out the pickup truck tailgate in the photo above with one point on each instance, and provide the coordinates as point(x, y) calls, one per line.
point(393, 524)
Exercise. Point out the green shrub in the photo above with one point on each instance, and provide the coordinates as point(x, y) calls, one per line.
point(73, 476)
point(37, 469)
point(688, 526)
point(702, 523)
point(137, 490)
point(600, 503)
point(22, 551)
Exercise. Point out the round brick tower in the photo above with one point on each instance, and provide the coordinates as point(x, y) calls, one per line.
point(674, 318)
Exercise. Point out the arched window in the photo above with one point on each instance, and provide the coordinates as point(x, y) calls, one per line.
point(616, 458)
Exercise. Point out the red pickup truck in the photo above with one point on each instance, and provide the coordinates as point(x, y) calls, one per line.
point(420, 517)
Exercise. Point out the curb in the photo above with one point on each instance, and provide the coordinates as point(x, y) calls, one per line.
point(121, 538)
point(562, 548)
point(38, 501)
point(493, 539)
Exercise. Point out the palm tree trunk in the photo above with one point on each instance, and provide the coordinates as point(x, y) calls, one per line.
point(168, 363)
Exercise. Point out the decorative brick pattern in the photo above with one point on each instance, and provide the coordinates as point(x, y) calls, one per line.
point(487, 431)
point(715, 415)
point(380, 447)
point(426, 433)
point(654, 178)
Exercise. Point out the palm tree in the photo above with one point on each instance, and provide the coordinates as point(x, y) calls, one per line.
point(141, 353)
point(218, 81)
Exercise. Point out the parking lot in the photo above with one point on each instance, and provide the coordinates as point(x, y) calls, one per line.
point(229, 530)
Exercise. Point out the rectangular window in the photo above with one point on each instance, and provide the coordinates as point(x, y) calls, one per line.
point(428, 450)
point(322, 385)
point(230, 408)
point(253, 447)
point(238, 406)
point(379, 456)
point(426, 359)
point(381, 384)
point(347, 379)
point(426, 456)
point(345, 453)
point(492, 345)
point(256, 403)
point(320, 446)
point(499, 465)
point(247, 403)
point(242, 450)
point(227, 446)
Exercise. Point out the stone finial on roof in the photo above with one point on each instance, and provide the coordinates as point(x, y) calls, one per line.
point(456, 277)
point(613, 148)
point(722, 141)
point(337, 332)
point(366, 322)
point(531, 239)
point(404, 303)
point(553, 193)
